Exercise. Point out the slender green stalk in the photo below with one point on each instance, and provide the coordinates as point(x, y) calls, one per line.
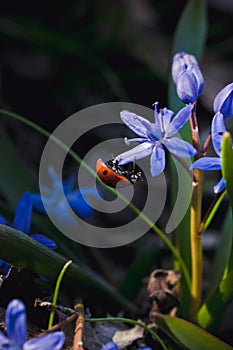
point(195, 221)
point(196, 243)
point(93, 173)
point(227, 171)
point(135, 323)
point(213, 208)
point(56, 292)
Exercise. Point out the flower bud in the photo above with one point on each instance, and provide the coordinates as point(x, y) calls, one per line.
point(198, 74)
point(223, 102)
point(187, 86)
point(181, 61)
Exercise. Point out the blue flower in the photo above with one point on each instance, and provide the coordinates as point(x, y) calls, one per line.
point(22, 222)
point(223, 101)
point(187, 76)
point(16, 326)
point(214, 163)
point(53, 199)
point(110, 346)
point(154, 136)
point(181, 60)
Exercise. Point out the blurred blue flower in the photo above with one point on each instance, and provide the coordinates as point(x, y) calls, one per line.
point(223, 101)
point(187, 76)
point(16, 326)
point(22, 222)
point(154, 136)
point(110, 346)
point(53, 198)
point(214, 163)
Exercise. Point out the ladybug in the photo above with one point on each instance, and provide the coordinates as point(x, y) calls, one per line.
point(111, 173)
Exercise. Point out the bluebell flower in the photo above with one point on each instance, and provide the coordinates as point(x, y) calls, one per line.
point(155, 136)
point(214, 163)
point(187, 76)
point(16, 327)
point(110, 346)
point(22, 222)
point(223, 101)
point(181, 60)
point(53, 198)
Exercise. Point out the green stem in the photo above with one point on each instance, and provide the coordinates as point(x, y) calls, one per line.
point(93, 173)
point(135, 323)
point(56, 292)
point(196, 243)
point(195, 221)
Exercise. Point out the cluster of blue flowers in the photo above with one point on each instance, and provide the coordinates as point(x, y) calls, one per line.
point(30, 201)
point(155, 137)
point(16, 327)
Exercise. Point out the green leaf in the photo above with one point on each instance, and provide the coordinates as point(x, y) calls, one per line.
point(222, 254)
point(15, 179)
point(191, 30)
point(227, 164)
point(212, 312)
point(190, 36)
point(189, 336)
point(20, 250)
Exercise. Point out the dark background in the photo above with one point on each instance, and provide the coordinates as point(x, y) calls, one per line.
point(57, 58)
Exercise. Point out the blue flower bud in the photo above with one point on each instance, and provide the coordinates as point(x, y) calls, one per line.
point(223, 102)
point(181, 61)
point(198, 74)
point(187, 86)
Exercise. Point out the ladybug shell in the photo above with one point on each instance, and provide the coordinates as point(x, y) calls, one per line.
point(110, 177)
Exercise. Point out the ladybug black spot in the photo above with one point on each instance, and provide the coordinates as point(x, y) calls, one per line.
point(105, 172)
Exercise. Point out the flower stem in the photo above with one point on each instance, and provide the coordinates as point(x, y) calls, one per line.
point(195, 220)
point(196, 243)
point(56, 292)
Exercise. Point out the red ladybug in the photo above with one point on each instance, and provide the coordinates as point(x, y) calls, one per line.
point(111, 173)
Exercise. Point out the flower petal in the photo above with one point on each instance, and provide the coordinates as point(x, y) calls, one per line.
point(163, 117)
point(16, 322)
point(223, 102)
point(110, 346)
point(37, 203)
point(207, 163)
point(179, 147)
point(68, 185)
point(187, 86)
point(136, 139)
point(217, 130)
point(79, 204)
point(179, 120)
point(5, 343)
point(141, 151)
point(221, 185)
point(3, 221)
point(136, 123)
point(22, 219)
point(5, 266)
point(45, 241)
point(157, 161)
point(200, 80)
point(52, 341)
point(180, 61)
